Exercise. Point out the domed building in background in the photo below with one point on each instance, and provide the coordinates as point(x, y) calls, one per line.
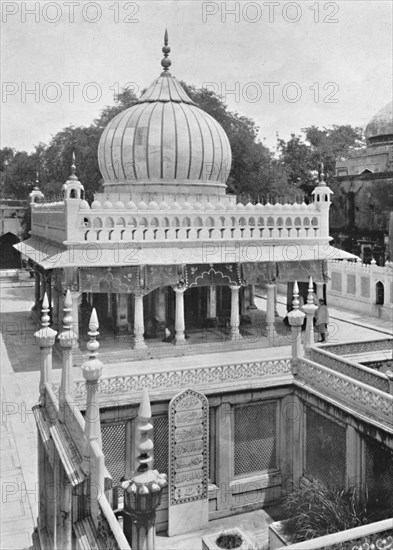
point(359, 218)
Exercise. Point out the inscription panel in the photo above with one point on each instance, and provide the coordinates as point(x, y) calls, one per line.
point(188, 447)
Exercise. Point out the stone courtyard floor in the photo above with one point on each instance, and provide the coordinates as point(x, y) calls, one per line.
point(19, 392)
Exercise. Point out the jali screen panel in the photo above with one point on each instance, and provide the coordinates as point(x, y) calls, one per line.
point(378, 473)
point(325, 450)
point(114, 448)
point(255, 445)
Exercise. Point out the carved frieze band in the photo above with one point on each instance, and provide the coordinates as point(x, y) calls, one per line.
point(349, 391)
point(174, 379)
point(343, 366)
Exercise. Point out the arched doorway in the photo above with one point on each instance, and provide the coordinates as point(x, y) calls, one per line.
point(379, 294)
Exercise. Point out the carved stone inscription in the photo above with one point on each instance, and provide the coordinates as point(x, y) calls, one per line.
point(189, 452)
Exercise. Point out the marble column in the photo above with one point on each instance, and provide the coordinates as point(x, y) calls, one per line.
point(235, 318)
point(55, 308)
point(212, 302)
point(122, 312)
point(37, 289)
point(180, 338)
point(67, 340)
point(160, 305)
point(270, 311)
point(76, 298)
point(296, 318)
point(252, 297)
point(45, 337)
point(309, 309)
point(319, 292)
point(139, 325)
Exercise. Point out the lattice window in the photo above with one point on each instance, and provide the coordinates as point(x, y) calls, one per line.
point(325, 449)
point(255, 446)
point(114, 449)
point(378, 473)
point(161, 443)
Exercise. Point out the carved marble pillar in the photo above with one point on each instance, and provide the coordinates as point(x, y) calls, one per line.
point(270, 311)
point(55, 308)
point(319, 292)
point(67, 341)
point(296, 318)
point(309, 308)
point(235, 318)
point(122, 312)
point(212, 302)
point(160, 305)
point(180, 338)
point(92, 370)
point(76, 298)
point(37, 289)
point(139, 324)
point(252, 297)
point(46, 339)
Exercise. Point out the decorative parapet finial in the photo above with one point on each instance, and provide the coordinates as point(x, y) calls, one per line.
point(310, 295)
point(45, 337)
point(165, 61)
point(92, 368)
point(36, 195)
point(67, 336)
point(142, 492)
point(296, 316)
point(73, 176)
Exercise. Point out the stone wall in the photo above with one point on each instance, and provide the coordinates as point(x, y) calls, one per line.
point(362, 288)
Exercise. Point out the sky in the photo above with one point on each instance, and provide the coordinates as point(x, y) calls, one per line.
point(287, 65)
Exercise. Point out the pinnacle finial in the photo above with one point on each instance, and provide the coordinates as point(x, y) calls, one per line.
point(73, 167)
point(295, 302)
point(45, 310)
point(322, 174)
point(165, 61)
point(310, 295)
point(93, 344)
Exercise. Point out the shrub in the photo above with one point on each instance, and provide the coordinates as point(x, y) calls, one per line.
point(318, 510)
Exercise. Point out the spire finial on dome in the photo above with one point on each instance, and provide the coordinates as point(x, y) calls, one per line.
point(165, 61)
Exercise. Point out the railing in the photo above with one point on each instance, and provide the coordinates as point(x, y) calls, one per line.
point(345, 348)
point(354, 536)
point(195, 234)
point(360, 396)
point(350, 368)
point(108, 527)
point(183, 378)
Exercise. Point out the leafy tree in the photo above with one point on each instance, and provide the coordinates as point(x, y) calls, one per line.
point(123, 101)
point(302, 156)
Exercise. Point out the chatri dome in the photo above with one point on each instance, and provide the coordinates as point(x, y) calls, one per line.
point(165, 139)
point(379, 131)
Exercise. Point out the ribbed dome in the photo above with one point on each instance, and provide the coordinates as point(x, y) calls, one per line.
point(165, 138)
point(379, 130)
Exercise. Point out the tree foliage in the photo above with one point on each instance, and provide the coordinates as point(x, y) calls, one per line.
point(255, 170)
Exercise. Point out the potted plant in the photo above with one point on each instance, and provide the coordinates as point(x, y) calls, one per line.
point(233, 539)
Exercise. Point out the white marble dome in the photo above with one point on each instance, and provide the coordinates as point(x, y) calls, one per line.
point(379, 130)
point(164, 139)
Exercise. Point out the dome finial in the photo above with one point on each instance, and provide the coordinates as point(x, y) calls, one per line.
point(165, 61)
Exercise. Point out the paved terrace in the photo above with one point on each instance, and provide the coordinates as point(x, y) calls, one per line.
point(20, 378)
